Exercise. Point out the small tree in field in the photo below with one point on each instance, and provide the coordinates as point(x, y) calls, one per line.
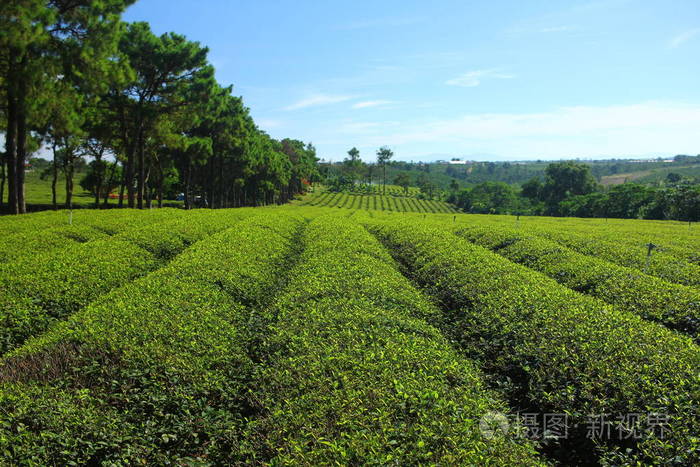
point(384, 154)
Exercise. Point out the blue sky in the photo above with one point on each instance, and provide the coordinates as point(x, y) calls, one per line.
point(487, 80)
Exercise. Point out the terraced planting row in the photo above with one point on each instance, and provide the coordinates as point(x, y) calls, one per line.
point(157, 371)
point(672, 258)
point(660, 264)
point(393, 203)
point(53, 232)
point(318, 335)
point(46, 286)
point(674, 305)
point(669, 238)
point(556, 351)
point(355, 375)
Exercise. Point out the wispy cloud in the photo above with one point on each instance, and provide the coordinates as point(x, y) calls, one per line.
point(556, 29)
point(381, 22)
point(365, 104)
point(685, 36)
point(581, 131)
point(318, 100)
point(368, 127)
point(471, 79)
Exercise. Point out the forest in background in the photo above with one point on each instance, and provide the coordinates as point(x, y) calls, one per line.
point(145, 112)
point(618, 188)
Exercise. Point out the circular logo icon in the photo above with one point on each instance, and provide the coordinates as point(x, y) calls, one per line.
point(493, 424)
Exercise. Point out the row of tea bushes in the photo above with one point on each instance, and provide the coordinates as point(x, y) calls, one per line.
point(52, 232)
point(676, 306)
point(45, 287)
point(660, 264)
point(154, 373)
point(557, 351)
point(355, 375)
point(674, 238)
point(105, 219)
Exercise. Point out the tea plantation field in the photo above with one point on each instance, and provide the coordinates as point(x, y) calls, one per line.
point(394, 200)
point(388, 332)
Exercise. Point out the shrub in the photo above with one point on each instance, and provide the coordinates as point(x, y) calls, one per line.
point(354, 374)
point(155, 372)
point(42, 288)
point(674, 305)
point(556, 351)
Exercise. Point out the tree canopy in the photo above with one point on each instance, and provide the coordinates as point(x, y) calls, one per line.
point(144, 109)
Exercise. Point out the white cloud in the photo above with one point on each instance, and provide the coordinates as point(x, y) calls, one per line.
point(556, 29)
point(365, 104)
point(382, 22)
point(683, 37)
point(581, 131)
point(318, 100)
point(474, 78)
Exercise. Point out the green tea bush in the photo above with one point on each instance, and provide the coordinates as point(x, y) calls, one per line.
point(155, 372)
point(676, 306)
point(23, 244)
point(355, 375)
point(556, 351)
point(49, 233)
point(45, 287)
point(665, 266)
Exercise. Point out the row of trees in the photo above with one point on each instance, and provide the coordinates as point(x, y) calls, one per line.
point(569, 189)
point(354, 172)
point(145, 109)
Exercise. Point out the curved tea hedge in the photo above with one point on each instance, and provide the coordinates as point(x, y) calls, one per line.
point(676, 306)
point(556, 351)
point(354, 374)
point(393, 201)
point(156, 372)
point(50, 233)
point(45, 287)
point(663, 265)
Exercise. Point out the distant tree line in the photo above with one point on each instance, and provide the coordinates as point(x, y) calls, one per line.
point(145, 110)
point(355, 175)
point(569, 189)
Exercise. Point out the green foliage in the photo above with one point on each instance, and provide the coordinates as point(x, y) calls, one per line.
point(395, 200)
point(676, 306)
point(556, 351)
point(487, 198)
point(353, 375)
point(155, 372)
point(292, 335)
point(44, 287)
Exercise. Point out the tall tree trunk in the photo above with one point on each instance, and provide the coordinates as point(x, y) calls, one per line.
point(222, 201)
point(54, 178)
point(159, 192)
point(2, 180)
point(21, 142)
point(110, 183)
point(100, 176)
point(384, 176)
point(68, 171)
point(11, 135)
point(147, 189)
point(129, 172)
point(141, 181)
point(188, 204)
